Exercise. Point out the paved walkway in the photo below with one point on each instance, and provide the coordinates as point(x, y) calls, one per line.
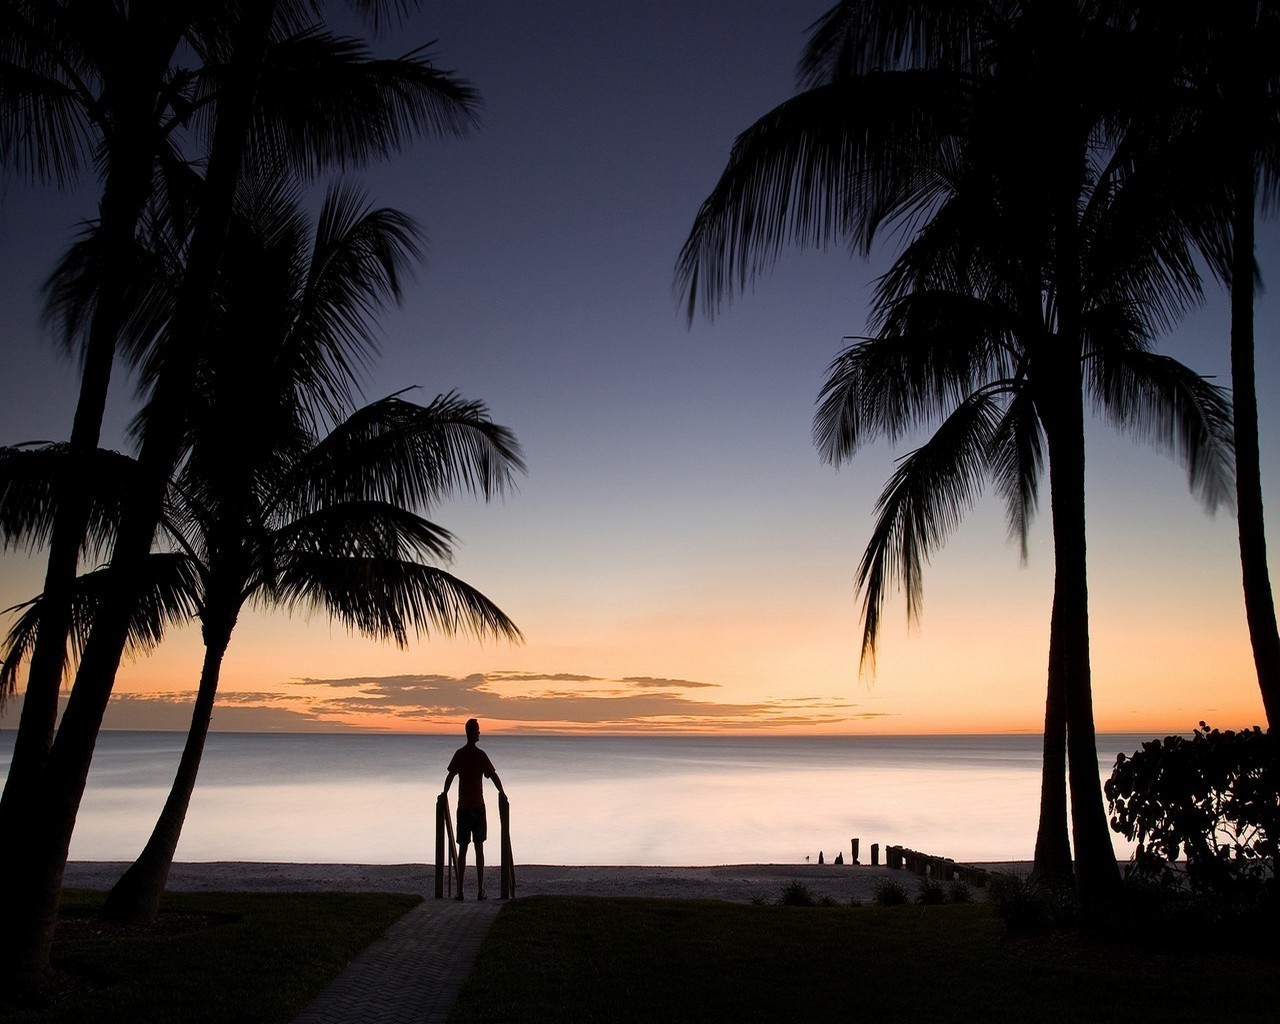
point(413, 973)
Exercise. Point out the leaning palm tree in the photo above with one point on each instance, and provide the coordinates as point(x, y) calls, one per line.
point(906, 120)
point(319, 524)
point(263, 510)
point(270, 513)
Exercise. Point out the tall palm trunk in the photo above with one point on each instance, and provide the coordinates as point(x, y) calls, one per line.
point(1052, 863)
point(1260, 609)
point(51, 812)
point(136, 896)
point(131, 159)
point(1097, 875)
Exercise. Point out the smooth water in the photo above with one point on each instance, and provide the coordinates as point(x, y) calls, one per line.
point(578, 799)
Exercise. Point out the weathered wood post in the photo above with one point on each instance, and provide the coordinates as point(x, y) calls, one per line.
point(855, 852)
point(507, 887)
point(875, 855)
point(442, 811)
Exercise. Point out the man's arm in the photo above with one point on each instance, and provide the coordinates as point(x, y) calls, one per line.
point(448, 780)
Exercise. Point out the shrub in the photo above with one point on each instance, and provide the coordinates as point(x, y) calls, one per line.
point(1213, 799)
point(960, 893)
point(797, 894)
point(1027, 905)
point(931, 892)
point(890, 893)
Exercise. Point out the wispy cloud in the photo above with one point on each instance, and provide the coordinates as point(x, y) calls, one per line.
point(566, 702)
point(624, 703)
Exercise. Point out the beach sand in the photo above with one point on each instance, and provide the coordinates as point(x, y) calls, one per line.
point(738, 883)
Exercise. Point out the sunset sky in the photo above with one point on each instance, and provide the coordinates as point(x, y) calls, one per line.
point(678, 557)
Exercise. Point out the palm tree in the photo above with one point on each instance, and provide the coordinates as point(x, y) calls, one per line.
point(105, 81)
point(906, 120)
point(1217, 121)
point(269, 513)
point(289, 539)
point(387, 103)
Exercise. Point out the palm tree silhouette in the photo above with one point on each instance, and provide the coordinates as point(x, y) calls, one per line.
point(1216, 125)
point(1027, 282)
point(109, 84)
point(271, 514)
point(263, 510)
point(259, 58)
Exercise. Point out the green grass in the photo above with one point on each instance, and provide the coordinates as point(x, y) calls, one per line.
point(211, 957)
point(581, 959)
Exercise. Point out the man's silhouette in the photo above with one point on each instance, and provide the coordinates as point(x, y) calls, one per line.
point(472, 766)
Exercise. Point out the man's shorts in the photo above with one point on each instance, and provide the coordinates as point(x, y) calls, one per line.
point(472, 824)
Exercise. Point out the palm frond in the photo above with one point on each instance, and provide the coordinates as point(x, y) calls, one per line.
point(356, 528)
point(833, 163)
point(46, 128)
point(411, 455)
point(169, 595)
point(935, 349)
point(1017, 463)
point(323, 101)
point(920, 506)
point(358, 260)
point(1162, 402)
point(30, 476)
point(387, 598)
point(857, 36)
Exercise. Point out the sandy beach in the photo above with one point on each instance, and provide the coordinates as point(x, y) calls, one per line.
point(738, 883)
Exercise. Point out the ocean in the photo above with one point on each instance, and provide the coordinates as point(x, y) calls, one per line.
point(669, 800)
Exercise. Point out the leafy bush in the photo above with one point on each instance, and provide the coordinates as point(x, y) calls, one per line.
point(797, 894)
point(890, 893)
point(1213, 799)
point(960, 893)
point(1027, 905)
point(931, 892)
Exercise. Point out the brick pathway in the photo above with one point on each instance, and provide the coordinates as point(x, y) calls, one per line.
point(413, 973)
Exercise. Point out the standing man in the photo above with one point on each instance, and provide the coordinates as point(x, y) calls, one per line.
point(473, 766)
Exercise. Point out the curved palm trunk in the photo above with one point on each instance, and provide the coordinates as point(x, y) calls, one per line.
point(1259, 604)
point(136, 896)
point(50, 813)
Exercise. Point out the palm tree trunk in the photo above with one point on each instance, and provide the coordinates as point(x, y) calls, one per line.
point(124, 195)
point(136, 896)
point(49, 818)
point(1052, 863)
point(1260, 609)
point(1097, 875)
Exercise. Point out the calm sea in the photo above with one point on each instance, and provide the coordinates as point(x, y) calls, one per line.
point(578, 800)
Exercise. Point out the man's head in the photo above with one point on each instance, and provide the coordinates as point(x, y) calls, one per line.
point(473, 730)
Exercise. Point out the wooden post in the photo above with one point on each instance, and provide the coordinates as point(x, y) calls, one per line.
point(444, 835)
point(442, 811)
point(508, 878)
point(875, 855)
point(855, 852)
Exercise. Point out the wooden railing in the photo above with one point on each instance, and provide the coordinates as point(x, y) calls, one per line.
point(447, 849)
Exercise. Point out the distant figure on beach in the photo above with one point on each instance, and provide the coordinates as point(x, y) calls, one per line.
point(820, 861)
point(472, 766)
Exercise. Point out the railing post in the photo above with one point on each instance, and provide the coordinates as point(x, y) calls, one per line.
point(507, 888)
point(442, 809)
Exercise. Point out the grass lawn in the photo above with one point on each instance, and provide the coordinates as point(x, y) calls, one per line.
point(583, 959)
point(249, 958)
